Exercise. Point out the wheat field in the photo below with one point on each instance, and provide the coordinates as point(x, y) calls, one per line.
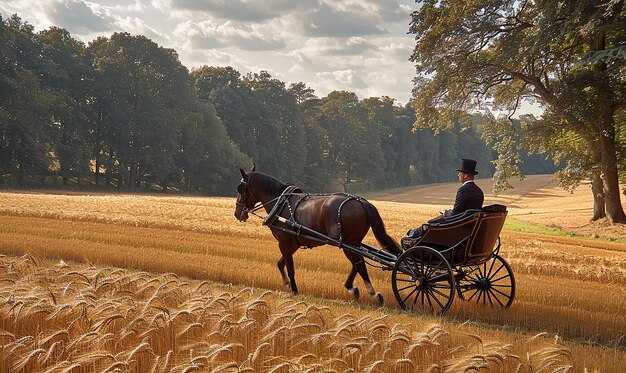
point(160, 283)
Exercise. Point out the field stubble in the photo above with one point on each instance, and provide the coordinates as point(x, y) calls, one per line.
point(573, 288)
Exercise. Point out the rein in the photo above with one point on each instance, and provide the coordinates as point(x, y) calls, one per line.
point(254, 209)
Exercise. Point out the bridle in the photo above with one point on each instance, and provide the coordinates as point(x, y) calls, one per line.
point(244, 204)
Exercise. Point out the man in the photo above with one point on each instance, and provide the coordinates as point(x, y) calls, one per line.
point(469, 196)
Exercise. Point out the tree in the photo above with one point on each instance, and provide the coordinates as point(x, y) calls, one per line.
point(65, 74)
point(316, 175)
point(354, 144)
point(382, 114)
point(26, 129)
point(143, 95)
point(567, 55)
point(207, 159)
point(301, 92)
point(221, 87)
point(280, 136)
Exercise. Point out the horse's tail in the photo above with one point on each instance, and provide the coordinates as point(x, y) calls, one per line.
point(378, 227)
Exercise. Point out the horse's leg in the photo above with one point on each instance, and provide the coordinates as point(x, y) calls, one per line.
point(358, 265)
point(283, 273)
point(288, 249)
point(349, 284)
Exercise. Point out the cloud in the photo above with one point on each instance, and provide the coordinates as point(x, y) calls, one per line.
point(330, 21)
point(137, 26)
point(238, 10)
point(28, 10)
point(76, 16)
point(135, 7)
point(199, 57)
point(342, 79)
point(384, 10)
point(338, 46)
point(207, 35)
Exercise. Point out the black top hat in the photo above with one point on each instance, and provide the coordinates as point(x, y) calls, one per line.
point(468, 166)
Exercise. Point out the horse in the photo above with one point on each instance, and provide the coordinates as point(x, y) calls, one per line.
point(342, 216)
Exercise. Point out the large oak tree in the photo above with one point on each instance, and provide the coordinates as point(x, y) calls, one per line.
point(566, 55)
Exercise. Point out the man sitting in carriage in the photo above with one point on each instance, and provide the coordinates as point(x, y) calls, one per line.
point(468, 196)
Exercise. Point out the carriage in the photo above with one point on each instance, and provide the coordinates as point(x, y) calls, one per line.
point(455, 256)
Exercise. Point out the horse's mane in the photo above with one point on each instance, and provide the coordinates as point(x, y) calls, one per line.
point(269, 184)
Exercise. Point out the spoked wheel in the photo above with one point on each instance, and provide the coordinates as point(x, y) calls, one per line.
point(489, 283)
point(422, 280)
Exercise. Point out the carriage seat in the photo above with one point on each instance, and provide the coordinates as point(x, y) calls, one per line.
point(469, 237)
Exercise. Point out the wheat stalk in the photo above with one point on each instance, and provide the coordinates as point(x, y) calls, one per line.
point(143, 347)
point(226, 348)
point(252, 358)
point(189, 328)
point(115, 366)
point(21, 364)
point(224, 367)
point(373, 367)
point(280, 366)
point(161, 363)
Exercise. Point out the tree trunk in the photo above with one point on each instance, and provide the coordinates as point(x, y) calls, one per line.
point(614, 210)
point(607, 125)
point(97, 177)
point(597, 189)
point(109, 170)
point(132, 168)
point(98, 147)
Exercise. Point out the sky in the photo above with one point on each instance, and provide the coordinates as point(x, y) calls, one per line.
point(361, 46)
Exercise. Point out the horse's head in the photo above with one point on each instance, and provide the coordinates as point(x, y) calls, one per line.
point(245, 199)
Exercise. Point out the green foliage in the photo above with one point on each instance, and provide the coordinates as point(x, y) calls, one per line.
point(567, 55)
point(123, 112)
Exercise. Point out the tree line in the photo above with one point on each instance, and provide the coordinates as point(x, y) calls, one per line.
point(122, 112)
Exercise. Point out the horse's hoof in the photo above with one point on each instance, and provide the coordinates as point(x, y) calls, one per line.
point(354, 292)
point(378, 299)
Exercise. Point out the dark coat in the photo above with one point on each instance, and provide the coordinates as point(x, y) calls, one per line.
point(469, 196)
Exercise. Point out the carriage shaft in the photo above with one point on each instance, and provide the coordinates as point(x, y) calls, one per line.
point(364, 250)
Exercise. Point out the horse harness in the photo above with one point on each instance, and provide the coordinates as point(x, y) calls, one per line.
point(284, 200)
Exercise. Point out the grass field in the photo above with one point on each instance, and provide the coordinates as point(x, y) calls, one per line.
point(158, 283)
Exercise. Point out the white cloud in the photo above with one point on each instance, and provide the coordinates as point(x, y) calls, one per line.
point(330, 21)
point(137, 26)
point(342, 79)
point(134, 7)
point(338, 46)
point(239, 10)
point(77, 17)
point(207, 35)
point(30, 11)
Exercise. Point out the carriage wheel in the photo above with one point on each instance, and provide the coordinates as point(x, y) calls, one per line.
point(422, 280)
point(489, 283)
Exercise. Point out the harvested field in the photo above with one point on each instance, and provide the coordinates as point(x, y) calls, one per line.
point(571, 291)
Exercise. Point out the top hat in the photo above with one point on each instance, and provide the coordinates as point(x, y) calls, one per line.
point(468, 166)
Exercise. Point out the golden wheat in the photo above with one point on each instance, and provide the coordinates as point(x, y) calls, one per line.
point(571, 286)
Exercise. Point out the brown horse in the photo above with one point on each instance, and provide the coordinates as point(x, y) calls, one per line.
point(344, 217)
